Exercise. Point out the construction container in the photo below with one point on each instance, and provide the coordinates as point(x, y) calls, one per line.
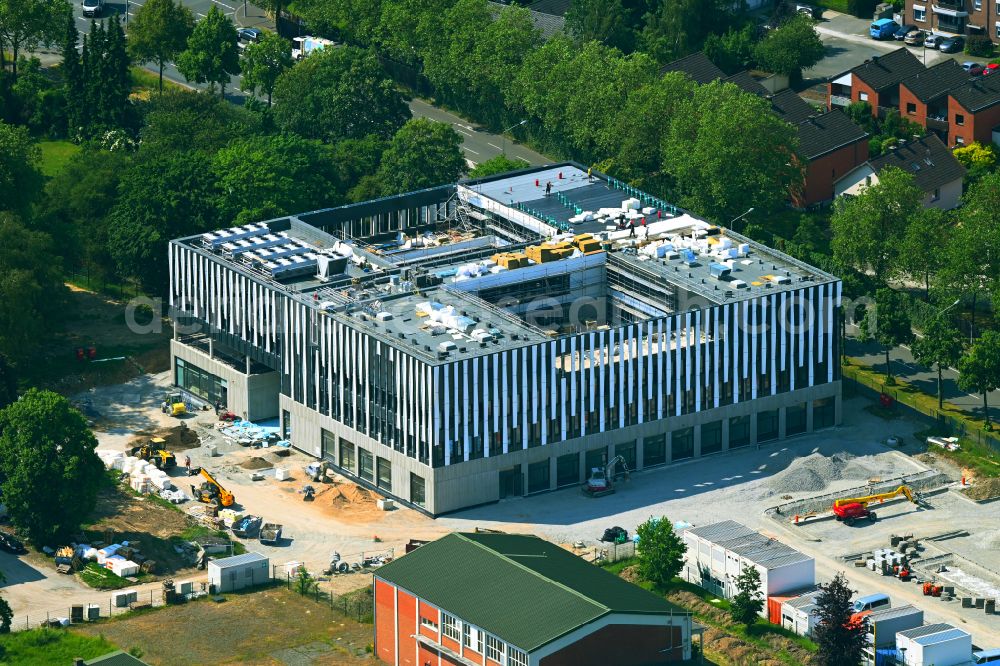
point(93, 612)
point(184, 587)
point(123, 598)
point(884, 624)
point(774, 606)
point(235, 573)
point(935, 645)
point(76, 613)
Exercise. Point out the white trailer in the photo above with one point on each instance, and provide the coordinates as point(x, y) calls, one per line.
point(303, 46)
point(934, 645)
point(235, 573)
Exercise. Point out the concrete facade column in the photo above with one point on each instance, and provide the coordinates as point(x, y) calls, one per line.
point(247, 358)
point(638, 453)
point(697, 441)
point(553, 471)
point(668, 446)
point(725, 433)
point(782, 415)
point(809, 416)
point(753, 428)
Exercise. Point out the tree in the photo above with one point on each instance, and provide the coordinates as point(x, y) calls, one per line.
point(979, 369)
point(747, 603)
point(921, 254)
point(941, 346)
point(20, 179)
point(51, 474)
point(888, 324)
point(791, 48)
point(305, 584)
point(977, 158)
point(181, 121)
point(31, 291)
point(211, 55)
point(264, 62)
point(423, 153)
point(680, 27)
point(729, 153)
point(604, 21)
point(264, 177)
point(26, 24)
point(733, 51)
point(661, 551)
point(107, 82)
point(8, 382)
point(499, 164)
point(159, 32)
point(338, 94)
point(72, 75)
point(868, 228)
point(840, 641)
point(6, 616)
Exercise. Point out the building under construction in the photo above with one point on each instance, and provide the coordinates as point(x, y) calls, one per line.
point(503, 336)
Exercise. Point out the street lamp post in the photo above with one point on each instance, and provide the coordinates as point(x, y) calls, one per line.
point(943, 310)
point(503, 135)
point(742, 215)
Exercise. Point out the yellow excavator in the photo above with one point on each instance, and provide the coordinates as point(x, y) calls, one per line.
point(153, 451)
point(851, 509)
point(211, 491)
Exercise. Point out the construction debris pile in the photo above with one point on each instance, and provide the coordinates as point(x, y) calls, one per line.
point(816, 471)
point(248, 433)
point(143, 477)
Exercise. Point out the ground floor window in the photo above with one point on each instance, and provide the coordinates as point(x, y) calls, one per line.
point(201, 383)
point(767, 425)
point(366, 465)
point(654, 450)
point(627, 451)
point(594, 458)
point(682, 444)
point(568, 469)
point(795, 419)
point(711, 437)
point(538, 476)
point(739, 431)
point(418, 492)
point(824, 413)
point(327, 442)
point(286, 425)
point(346, 455)
point(384, 475)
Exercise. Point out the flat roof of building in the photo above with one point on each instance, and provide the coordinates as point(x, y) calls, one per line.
point(520, 588)
point(749, 544)
point(930, 634)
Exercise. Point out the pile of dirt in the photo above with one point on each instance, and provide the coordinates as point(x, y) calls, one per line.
point(177, 438)
point(348, 493)
point(983, 489)
point(255, 462)
point(814, 472)
point(631, 574)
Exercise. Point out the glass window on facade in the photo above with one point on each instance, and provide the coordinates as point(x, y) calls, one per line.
point(538, 476)
point(347, 455)
point(682, 444)
point(594, 458)
point(711, 437)
point(824, 413)
point(795, 419)
point(418, 491)
point(327, 442)
point(568, 469)
point(627, 451)
point(767, 425)
point(654, 450)
point(739, 431)
point(366, 465)
point(200, 383)
point(384, 475)
point(286, 425)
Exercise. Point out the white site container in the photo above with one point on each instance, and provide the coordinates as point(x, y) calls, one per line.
point(125, 597)
point(281, 473)
point(122, 567)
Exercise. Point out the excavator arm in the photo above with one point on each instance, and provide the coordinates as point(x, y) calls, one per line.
point(902, 490)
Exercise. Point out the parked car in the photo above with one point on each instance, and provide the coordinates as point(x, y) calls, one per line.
point(951, 45)
point(914, 38)
point(11, 545)
point(808, 10)
point(991, 68)
point(903, 31)
point(932, 41)
point(249, 35)
point(92, 8)
point(883, 29)
point(973, 68)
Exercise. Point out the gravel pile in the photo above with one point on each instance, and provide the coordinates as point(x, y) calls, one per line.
point(814, 472)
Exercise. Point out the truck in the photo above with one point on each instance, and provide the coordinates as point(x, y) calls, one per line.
point(303, 46)
point(270, 534)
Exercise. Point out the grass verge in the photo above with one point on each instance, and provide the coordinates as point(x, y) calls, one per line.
point(51, 647)
point(55, 155)
point(96, 576)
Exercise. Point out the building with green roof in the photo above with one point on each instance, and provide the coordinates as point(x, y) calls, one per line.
point(517, 600)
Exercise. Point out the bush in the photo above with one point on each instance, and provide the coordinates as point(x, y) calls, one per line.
point(979, 45)
point(862, 8)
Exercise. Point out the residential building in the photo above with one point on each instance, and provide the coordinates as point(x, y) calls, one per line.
point(799, 613)
point(548, 16)
point(974, 111)
point(934, 645)
point(717, 554)
point(517, 600)
point(955, 17)
point(832, 145)
point(923, 97)
point(116, 658)
point(933, 166)
point(432, 346)
point(881, 627)
point(875, 81)
point(230, 574)
point(698, 68)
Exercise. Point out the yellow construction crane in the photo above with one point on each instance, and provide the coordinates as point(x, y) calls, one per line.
point(851, 508)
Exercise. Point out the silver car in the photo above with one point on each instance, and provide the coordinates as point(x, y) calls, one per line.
point(932, 41)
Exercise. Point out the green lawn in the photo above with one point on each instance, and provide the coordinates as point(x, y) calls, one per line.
point(145, 80)
point(55, 155)
point(96, 576)
point(835, 5)
point(50, 647)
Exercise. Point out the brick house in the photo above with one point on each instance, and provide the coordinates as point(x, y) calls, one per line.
point(935, 171)
point(923, 97)
point(875, 81)
point(517, 600)
point(955, 17)
point(974, 111)
point(832, 145)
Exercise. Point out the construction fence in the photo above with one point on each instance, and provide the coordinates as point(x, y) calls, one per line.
point(871, 387)
point(357, 605)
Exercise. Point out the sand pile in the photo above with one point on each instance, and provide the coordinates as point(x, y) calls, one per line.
point(814, 472)
point(255, 463)
point(178, 437)
point(984, 489)
point(348, 493)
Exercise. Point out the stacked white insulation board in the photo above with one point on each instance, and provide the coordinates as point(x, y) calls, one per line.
point(143, 477)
